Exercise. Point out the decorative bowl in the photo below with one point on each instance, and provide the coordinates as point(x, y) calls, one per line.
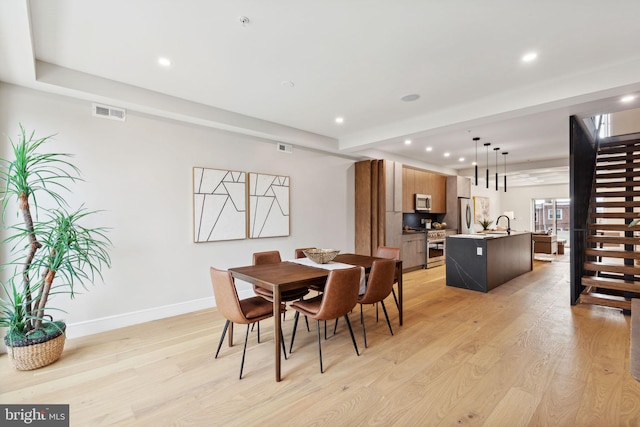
point(321, 256)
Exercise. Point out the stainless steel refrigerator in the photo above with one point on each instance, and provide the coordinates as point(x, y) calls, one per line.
point(467, 216)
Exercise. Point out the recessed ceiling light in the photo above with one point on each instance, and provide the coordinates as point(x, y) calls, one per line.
point(410, 98)
point(429, 149)
point(474, 163)
point(531, 56)
point(339, 120)
point(407, 141)
point(287, 83)
point(461, 159)
point(628, 98)
point(165, 62)
point(446, 154)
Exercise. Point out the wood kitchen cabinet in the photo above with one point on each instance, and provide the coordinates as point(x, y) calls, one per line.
point(415, 181)
point(412, 251)
point(408, 190)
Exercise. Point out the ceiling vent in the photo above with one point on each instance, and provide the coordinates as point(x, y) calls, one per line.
point(107, 112)
point(285, 148)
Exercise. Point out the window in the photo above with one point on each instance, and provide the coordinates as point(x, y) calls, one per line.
point(551, 215)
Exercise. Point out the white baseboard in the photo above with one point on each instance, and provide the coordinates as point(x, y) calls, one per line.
point(90, 327)
point(95, 326)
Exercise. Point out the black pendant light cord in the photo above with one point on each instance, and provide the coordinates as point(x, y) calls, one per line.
point(496, 150)
point(487, 144)
point(504, 153)
point(476, 139)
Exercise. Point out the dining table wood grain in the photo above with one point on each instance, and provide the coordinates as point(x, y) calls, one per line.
point(284, 276)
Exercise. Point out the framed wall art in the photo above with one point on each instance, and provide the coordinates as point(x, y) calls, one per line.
point(219, 205)
point(481, 207)
point(268, 213)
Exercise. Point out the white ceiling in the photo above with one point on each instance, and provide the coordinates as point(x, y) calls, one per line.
point(353, 59)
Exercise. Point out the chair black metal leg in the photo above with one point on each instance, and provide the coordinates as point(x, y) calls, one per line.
point(335, 327)
point(258, 332)
point(353, 338)
point(284, 351)
point(387, 316)
point(395, 298)
point(293, 334)
point(224, 332)
point(319, 344)
point(244, 350)
point(364, 331)
point(306, 320)
point(376, 312)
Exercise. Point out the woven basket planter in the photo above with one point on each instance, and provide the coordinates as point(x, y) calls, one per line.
point(28, 355)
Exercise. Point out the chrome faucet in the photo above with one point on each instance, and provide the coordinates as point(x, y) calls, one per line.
point(508, 223)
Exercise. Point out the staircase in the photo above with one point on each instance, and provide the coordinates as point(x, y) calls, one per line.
point(612, 266)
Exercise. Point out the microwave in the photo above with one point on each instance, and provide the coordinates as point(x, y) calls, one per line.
point(423, 202)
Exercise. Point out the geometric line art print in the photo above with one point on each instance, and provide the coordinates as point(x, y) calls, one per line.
point(219, 205)
point(268, 205)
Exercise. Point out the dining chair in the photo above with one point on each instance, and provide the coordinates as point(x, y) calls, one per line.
point(299, 253)
point(246, 311)
point(379, 286)
point(273, 257)
point(339, 297)
point(392, 253)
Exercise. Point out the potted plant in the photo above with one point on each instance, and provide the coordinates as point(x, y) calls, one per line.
point(485, 223)
point(50, 250)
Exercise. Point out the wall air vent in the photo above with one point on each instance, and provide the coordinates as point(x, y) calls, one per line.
point(107, 112)
point(285, 148)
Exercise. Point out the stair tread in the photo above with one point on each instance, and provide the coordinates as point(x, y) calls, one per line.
point(606, 300)
point(614, 215)
point(621, 158)
point(612, 240)
point(617, 193)
point(617, 184)
point(614, 227)
point(616, 268)
point(612, 253)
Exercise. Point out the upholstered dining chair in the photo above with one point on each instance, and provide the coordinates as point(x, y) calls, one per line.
point(339, 297)
point(379, 286)
point(391, 253)
point(273, 257)
point(299, 253)
point(247, 311)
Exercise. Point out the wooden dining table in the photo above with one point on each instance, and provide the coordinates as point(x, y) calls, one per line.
point(286, 276)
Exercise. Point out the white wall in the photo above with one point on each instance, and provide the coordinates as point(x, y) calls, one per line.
point(518, 200)
point(495, 201)
point(140, 172)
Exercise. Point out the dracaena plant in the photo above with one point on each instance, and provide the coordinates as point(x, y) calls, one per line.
point(51, 250)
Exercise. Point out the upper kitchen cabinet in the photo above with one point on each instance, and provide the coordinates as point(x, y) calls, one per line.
point(415, 181)
point(408, 189)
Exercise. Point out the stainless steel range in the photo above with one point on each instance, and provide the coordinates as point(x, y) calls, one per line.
point(435, 253)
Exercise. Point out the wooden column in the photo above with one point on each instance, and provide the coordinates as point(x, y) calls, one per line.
point(369, 206)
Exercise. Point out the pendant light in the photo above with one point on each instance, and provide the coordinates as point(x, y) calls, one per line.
point(486, 146)
point(496, 150)
point(504, 153)
point(476, 139)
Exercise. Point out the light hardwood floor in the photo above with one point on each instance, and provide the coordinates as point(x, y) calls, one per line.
point(518, 356)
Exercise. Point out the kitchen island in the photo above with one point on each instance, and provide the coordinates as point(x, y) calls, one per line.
point(481, 262)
